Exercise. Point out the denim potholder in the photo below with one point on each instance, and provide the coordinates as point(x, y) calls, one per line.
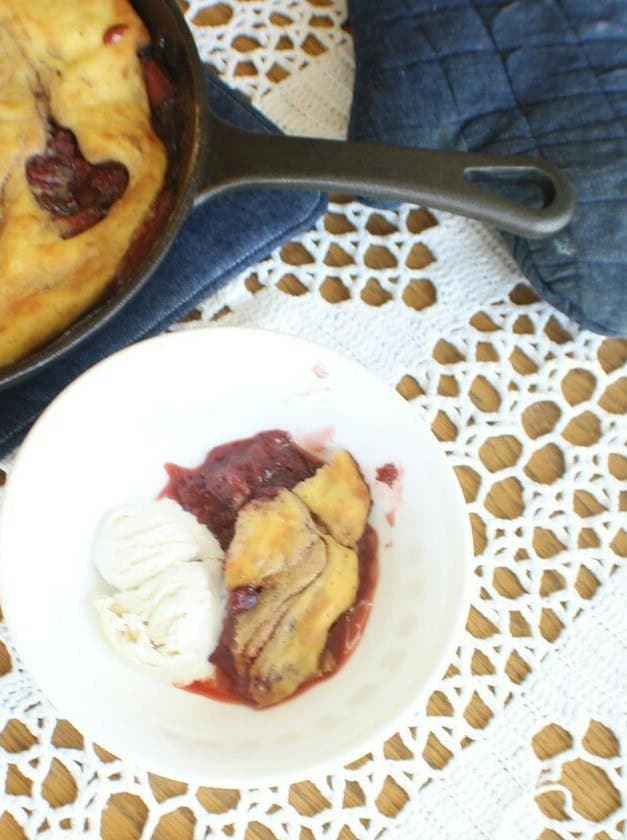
point(539, 77)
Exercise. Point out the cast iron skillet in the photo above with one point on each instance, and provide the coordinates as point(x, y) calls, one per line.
point(214, 157)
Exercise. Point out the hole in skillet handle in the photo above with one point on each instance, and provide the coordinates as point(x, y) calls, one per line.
point(529, 187)
point(525, 196)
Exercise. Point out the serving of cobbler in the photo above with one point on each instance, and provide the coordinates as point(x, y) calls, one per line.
point(82, 163)
point(250, 579)
point(300, 563)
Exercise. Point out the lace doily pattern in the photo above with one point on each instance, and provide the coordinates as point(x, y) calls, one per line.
point(253, 44)
point(528, 409)
point(571, 764)
point(552, 763)
point(531, 412)
point(361, 268)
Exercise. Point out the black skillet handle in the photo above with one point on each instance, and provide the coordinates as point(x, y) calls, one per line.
point(439, 179)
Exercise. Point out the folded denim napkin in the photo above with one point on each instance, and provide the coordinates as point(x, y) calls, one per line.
point(539, 77)
point(219, 240)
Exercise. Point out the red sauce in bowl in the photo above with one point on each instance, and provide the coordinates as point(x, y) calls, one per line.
point(387, 474)
point(235, 473)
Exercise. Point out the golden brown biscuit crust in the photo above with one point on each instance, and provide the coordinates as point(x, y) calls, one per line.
point(56, 63)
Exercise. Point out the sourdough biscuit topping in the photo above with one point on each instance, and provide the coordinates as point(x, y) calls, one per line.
point(80, 162)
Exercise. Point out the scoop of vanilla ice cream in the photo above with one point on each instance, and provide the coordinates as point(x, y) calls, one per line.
point(169, 624)
point(167, 613)
point(136, 541)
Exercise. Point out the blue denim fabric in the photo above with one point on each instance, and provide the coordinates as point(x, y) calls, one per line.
point(218, 241)
point(540, 77)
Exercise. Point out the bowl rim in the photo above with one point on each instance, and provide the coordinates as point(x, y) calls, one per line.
point(298, 771)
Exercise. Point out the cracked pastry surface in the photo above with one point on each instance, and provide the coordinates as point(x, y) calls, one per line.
point(293, 652)
point(339, 496)
point(290, 578)
point(60, 66)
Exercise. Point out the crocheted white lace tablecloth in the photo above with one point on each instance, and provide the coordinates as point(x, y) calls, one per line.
point(437, 308)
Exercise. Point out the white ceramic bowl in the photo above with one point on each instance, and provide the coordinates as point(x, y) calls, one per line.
point(105, 439)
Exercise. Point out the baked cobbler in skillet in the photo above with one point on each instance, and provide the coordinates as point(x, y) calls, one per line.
point(82, 165)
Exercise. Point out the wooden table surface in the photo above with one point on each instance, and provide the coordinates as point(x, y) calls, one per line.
point(125, 814)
